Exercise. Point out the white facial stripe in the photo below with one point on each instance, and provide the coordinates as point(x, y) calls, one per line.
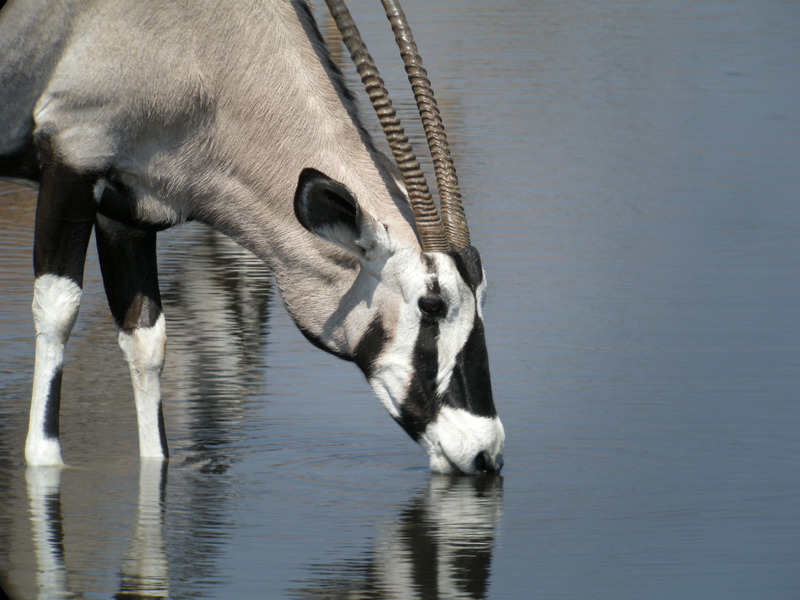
point(457, 437)
point(455, 328)
point(393, 373)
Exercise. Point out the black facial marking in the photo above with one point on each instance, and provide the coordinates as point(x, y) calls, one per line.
point(470, 386)
point(370, 347)
point(52, 407)
point(468, 263)
point(422, 403)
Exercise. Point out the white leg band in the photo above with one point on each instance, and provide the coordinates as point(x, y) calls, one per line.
point(144, 350)
point(55, 308)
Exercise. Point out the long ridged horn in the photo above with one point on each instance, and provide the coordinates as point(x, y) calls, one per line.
point(452, 211)
point(426, 216)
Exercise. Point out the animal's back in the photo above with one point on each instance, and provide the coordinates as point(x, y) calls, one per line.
point(112, 77)
point(32, 37)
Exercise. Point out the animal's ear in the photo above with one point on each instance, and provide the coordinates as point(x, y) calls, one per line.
point(328, 209)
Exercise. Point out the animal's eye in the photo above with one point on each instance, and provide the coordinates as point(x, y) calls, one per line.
point(431, 306)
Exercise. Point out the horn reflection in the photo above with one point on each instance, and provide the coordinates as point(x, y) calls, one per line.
point(440, 546)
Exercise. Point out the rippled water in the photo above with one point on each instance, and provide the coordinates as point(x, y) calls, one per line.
point(631, 177)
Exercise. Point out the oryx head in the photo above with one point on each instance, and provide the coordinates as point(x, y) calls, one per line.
point(414, 322)
point(422, 345)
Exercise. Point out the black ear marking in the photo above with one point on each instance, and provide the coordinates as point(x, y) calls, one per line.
point(320, 202)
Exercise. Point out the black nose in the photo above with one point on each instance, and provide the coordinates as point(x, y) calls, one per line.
point(483, 464)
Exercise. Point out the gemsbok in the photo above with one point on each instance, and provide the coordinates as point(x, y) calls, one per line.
point(132, 116)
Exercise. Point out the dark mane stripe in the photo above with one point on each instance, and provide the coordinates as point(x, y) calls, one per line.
point(306, 17)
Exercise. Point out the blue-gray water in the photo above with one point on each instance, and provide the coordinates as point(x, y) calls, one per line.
point(632, 177)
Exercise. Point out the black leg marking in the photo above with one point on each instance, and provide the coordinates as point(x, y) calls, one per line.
point(22, 164)
point(53, 406)
point(64, 219)
point(130, 273)
point(162, 431)
point(130, 276)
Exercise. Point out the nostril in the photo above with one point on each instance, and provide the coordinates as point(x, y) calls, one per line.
point(482, 463)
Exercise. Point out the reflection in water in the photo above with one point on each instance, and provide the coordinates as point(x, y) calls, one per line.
point(217, 322)
point(217, 308)
point(216, 298)
point(145, 568)
point(44, 499)
point(440, 546)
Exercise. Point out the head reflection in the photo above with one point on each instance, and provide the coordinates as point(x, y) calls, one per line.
point(440, 546)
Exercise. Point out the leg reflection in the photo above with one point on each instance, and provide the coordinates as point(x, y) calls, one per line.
point(44, 500)
point(145, 568)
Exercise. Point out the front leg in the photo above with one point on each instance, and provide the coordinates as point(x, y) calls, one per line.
point(130, 276)
point(65, 213)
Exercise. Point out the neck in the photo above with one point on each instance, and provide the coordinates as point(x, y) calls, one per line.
point(242, 170)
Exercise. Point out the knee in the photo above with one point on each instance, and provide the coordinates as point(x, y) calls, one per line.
point(56, 300)
point(145, 347)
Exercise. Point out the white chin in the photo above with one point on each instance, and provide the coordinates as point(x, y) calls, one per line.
point(439, 463)
point(456, 438)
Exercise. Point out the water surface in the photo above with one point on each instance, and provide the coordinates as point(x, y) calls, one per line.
point(631, 178)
